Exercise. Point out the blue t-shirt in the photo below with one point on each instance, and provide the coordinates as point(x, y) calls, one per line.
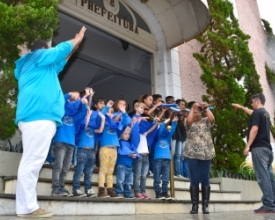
point(128, 147)
point(40, 96)
point(109, 135)
point(162, 146)
point(87, 138)
point(74, 111)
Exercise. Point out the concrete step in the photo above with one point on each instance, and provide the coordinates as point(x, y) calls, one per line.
point(97, 206)
point(44, 188)
point(46, 173)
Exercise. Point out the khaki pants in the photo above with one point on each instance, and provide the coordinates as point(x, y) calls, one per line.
point(107, 158)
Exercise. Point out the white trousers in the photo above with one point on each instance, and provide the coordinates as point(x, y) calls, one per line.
point(36, 139)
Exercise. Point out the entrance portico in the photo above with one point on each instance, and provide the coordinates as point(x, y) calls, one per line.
point(151, 30)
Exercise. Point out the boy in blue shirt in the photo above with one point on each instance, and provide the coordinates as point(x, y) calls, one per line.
point(86, 153)
point(162, 158)
point(64, 141)
point(127, 153)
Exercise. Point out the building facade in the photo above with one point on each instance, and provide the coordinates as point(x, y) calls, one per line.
point(130, 43)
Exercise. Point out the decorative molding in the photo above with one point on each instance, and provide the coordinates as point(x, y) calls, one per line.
point(112, 6)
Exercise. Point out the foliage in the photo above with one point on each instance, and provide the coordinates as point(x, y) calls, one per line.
point(8, 146)
point(230, 77)
point(270, 45)
point(270, 74)
point(22, 22)
point(245, 172)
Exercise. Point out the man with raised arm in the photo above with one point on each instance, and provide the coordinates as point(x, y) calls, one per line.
point(39, 111)
point(258, 143)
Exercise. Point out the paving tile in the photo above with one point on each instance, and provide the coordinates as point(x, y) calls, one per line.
point(214, 216)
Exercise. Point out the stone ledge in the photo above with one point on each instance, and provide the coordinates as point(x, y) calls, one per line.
point(84, 206)
point(47, 180)
point(104, 200)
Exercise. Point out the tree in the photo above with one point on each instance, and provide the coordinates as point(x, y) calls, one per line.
point(22, 22)
point(230, 77)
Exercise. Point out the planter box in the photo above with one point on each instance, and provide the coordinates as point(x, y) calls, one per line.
point(250, 189)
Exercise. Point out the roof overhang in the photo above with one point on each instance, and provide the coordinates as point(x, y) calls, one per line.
point(181, 20)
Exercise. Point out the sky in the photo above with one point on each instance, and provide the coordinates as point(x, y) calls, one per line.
point(267, 11)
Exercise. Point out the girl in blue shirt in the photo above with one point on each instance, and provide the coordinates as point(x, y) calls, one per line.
point(108, 149)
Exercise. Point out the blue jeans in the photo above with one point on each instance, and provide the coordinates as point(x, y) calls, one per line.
point(141, 167)
point(262, 159)
point(63, 155)
point(50, 156)
point(151, 160)
point(161, 172)
point(184, 168)
point(124, 180)
point(85, 164)
point(199, 171)
point(180, 164)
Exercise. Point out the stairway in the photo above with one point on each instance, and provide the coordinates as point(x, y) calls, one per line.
point(220, 200)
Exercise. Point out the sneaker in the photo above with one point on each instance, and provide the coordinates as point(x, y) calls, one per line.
point(129, 197)
point(150, 173)
point(120, 195)
point(90, 193)
point(166, 196)
point(59, 192)
point(139, 196)
point(159, 196)
point(39, 213)
point(145, 195)
point(179, 176)
point(263, 210)
point(68, 192)
point(78, 193)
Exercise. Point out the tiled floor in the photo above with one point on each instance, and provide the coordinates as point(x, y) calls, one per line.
point(214, 216)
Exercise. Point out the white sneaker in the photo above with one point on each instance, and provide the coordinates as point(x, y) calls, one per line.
point(182, 177)
point(78, 193)
point(90, 193)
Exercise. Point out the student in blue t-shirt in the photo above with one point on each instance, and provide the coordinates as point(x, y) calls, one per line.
point(86, 153)
point(64, 140)
point(127, 153)
point(162, 158)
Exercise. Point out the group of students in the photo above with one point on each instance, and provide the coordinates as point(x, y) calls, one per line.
point(123, 141)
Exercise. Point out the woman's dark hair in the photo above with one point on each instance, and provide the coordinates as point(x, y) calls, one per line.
point(145, 97)
point(39, 44)
point(190, 104)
